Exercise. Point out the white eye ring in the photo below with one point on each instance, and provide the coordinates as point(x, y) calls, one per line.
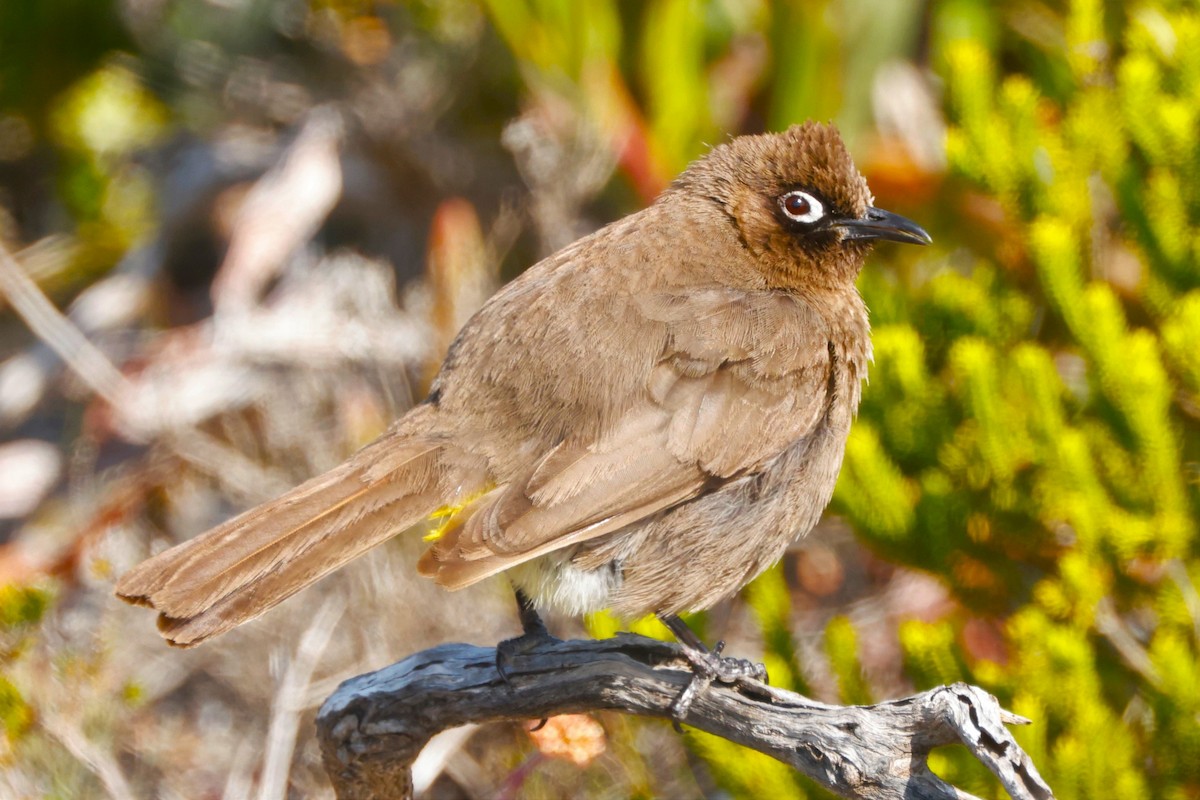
point(801, 206)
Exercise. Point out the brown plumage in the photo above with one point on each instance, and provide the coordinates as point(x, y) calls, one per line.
point(642, 421)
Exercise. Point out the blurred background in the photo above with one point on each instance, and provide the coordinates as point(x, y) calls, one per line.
point(242, 232)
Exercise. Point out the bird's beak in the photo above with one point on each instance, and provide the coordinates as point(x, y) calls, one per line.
point(880, 224)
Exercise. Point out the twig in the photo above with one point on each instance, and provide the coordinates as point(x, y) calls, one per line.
point(1191, 598)
point(59, 333)
point(285, 713)
point(1110, 625)
point(99, 761)
point(239, 783)
point(240, 475)
point(375, 725)
point(95, 369)
point(432, 761)
point(282, 212)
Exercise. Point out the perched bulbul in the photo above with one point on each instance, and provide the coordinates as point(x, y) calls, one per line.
point(641, 422)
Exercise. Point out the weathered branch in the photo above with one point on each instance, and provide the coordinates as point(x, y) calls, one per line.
point(372, 728)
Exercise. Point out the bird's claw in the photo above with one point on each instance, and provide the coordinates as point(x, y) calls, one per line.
point(535, 633)
point(709, 666)
point(521, 645)
point(727, 669)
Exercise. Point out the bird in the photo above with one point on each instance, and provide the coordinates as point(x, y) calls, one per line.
point(641, 422)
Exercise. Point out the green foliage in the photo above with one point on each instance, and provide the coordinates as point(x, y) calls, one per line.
point(21, 605)
point(768, 598)
point(930, 655)
point(21, 608)
point(40, 56)
point(1034, 452)
point(747, 773)
point(98, 123)
point(1030, 428)
point(841, 645)
point(15, 713)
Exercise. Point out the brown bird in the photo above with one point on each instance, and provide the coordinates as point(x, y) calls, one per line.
point(641, 422)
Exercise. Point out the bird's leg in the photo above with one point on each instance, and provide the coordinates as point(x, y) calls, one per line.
point(535, 633)
point(707, 666)
point(531, 623)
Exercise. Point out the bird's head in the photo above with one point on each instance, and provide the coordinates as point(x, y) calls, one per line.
point(798, 204)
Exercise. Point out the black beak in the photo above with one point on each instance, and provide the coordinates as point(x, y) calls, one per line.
point(880, 224)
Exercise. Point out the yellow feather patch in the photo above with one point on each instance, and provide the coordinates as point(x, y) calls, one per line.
point(446, 515)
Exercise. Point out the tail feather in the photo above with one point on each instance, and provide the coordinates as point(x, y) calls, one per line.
point(244, 567)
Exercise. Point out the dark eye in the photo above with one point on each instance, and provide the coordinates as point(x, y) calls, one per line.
point(802, 206)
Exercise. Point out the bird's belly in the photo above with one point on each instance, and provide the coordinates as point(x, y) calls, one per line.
point(699, 552)
point(555, 583)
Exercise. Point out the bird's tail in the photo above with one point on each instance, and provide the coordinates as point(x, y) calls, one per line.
point(240, 569)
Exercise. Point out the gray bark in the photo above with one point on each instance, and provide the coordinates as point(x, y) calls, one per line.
point(372, 728)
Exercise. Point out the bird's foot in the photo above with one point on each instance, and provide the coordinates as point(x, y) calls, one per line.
point(535, 634)
point(524, 644)
point(709, 666)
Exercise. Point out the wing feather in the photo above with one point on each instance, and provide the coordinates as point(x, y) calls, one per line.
point(743, 375)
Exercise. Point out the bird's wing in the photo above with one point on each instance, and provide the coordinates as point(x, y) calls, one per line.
point(741, 377)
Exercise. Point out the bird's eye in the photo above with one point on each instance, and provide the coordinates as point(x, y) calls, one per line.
point(802, 206)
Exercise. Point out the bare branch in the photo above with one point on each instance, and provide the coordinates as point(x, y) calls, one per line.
point(285, 714)
point(59, 333)
point(374, 725)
